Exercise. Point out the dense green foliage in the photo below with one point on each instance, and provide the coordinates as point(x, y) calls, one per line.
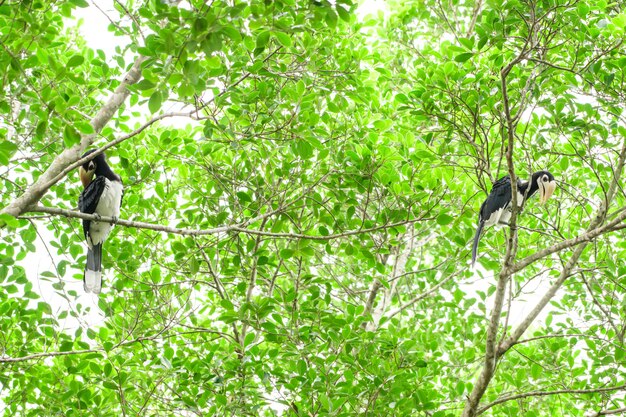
point(350, 155)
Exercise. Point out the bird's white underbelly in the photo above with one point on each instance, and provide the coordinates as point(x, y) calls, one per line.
point(502, 216)
point(499, 217)
point(108, 205)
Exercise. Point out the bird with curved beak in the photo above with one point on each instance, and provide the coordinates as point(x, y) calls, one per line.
point(496, 209)
point(101, 196)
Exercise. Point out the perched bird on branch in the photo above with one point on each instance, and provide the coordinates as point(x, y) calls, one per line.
point(497, 208)
point(101, 196)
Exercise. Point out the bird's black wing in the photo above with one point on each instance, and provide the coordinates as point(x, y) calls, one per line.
point(89, 198)
point(498, 198)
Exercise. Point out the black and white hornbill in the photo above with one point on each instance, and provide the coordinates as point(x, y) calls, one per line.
point(496, 209)
point(102, 196)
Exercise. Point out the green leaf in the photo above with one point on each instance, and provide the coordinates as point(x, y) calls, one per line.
point(154, 104)
point(7, 150)
point(535, 371)
point(160, 191)
point(249, 339)
point(213, 62)
point(331, 18)
point(84, 127)
point(7, 147)
point(75, 61)
point(168, 353)
point(444, 219)
point(460, 387)
point(71, 136)
point(283, 39)
point(463, 57)
point(66, 347)
point(232, 33)
point(103, 333)
point(325, 402)
point(304, 149)
point(467, 43)
point(343, 13)
point(194, 266)
point(244, 197)
point(263, 39)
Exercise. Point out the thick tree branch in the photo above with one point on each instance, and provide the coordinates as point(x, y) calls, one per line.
point(475, 14)
point(57, 169)
point(489, 365)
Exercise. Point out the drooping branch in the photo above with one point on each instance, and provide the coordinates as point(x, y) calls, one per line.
point(36, 356)
point(237, 228)
point(56, 170)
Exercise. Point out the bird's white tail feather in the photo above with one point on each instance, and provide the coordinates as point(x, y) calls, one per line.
point(92, 281)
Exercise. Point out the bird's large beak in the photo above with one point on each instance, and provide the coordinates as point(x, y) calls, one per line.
point(546, 188)
point(85, 176)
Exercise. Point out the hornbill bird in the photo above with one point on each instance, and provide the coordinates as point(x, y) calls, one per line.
point(101, 196)
point(496, 209)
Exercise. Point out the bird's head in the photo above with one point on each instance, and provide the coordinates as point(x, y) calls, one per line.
point(545, 183)
point(88, 169)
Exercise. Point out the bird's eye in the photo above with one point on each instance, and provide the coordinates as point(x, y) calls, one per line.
point(545, 178)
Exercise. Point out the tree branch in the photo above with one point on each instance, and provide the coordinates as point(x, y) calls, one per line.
point(56, 170)
point(608, 412)
point(511, 397)
point(565, 244)
point(399, 268)
point(240, 228)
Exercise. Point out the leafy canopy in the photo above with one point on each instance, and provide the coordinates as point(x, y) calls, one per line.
point(328, 167)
